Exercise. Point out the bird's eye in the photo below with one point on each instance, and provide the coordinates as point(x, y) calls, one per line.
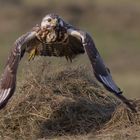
point(49, 19)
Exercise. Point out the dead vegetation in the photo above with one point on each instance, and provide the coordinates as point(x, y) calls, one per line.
point(62, 103)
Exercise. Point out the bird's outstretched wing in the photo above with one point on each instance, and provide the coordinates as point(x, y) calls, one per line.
point(101, 72)
point(8, 80)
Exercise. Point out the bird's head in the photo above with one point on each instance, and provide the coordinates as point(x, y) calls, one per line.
point(51, 21)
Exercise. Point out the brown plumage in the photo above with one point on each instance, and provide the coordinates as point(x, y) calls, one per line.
point(63, 44)
point(56, 38)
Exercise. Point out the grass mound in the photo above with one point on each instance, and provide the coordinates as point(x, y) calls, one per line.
point(55, 102)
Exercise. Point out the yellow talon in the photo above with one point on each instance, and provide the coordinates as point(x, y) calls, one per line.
point(32, 54)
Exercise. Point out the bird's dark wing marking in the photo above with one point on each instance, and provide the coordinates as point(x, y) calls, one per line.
point(76, 45)
point(102, 73)
point(100, 70)
point(8, 79)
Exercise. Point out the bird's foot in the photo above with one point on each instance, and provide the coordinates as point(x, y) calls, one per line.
point(32, 54)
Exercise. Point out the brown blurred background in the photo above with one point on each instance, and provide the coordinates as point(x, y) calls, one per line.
point(114, 26)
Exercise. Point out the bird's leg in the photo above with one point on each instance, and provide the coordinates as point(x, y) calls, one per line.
point(32, 54)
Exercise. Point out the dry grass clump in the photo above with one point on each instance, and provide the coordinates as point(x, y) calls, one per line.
point(52, 102)
point(123, 125)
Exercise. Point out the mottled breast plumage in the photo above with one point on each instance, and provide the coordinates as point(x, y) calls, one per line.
point(51, 36)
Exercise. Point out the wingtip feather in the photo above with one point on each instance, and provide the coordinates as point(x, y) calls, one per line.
point(4, 97)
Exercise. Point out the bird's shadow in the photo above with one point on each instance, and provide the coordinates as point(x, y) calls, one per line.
point(76, 117)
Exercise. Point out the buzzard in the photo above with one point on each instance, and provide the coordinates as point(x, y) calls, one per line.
point(55, 37)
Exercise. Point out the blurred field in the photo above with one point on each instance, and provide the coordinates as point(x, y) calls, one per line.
point(114, 26)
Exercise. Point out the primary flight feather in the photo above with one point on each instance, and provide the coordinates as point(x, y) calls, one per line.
point(55, 37)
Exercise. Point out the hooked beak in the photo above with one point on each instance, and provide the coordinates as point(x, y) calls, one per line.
point(53, 24)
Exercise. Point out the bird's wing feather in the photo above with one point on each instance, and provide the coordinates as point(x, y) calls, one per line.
point(8, 79)
point(101, 72)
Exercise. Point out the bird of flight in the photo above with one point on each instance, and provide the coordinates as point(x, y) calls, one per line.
point(55, 37)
